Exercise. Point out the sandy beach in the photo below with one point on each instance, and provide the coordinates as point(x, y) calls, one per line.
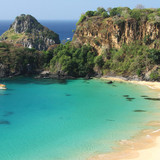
point(151, 153)
point(152, 85)
point(145, 145)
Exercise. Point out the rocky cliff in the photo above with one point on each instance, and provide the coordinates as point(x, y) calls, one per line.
point(106, 33)
point(27, 31)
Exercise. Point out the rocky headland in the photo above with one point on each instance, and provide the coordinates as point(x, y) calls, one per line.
point(27, 31)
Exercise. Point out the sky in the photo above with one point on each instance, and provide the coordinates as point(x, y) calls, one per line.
point(63, 9)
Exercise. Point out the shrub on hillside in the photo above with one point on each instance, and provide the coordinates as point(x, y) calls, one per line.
point(82, 18)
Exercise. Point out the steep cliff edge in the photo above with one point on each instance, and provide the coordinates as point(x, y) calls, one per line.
point(114, 31)
point(126, 40)
point(27, 31)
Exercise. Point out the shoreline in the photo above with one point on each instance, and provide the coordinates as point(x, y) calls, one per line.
point(143, 146)
point(150, 84)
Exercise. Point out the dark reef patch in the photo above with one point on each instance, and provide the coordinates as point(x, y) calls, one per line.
point(153, 99)
point(68, 95)
point(139, 110)
point(7, 114)
point(125, 95)
point(111, 120)
point(144, 96)
point(4, 122)
point(130, 99)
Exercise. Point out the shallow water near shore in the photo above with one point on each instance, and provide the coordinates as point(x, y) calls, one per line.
point(70, 119)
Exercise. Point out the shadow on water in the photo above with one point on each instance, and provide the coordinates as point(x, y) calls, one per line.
point(6, 114)
point(144, 96)
point(128, 98)
point(125, 95)
point(28, 80)
point(110, 120)
point(139, 110)
point(4, 122)
point(153, 99)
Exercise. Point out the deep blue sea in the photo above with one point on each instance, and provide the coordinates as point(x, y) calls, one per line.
point(63, 28)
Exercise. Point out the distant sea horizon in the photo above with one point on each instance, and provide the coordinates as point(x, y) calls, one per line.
point(62, 27)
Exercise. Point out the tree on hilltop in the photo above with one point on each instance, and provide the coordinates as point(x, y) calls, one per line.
point(140, 6)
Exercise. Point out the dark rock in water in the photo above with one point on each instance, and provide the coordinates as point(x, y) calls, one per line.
point(7, 114)
point(87, 77)
point(4, 122)
point(130, 99)
point(98, 76)
point(44, 74)
point(114, 85)
point(153, 99)
point(125, 95)
point(68, 95)
point(144, 96)
point(110, 120)
point(110, 82)
point(139, 111)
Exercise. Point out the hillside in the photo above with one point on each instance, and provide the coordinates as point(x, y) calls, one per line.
point(105, 30)
point(116, 42)
point(27, 31)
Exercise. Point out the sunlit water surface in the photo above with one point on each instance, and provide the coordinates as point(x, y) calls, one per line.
point(69, 119)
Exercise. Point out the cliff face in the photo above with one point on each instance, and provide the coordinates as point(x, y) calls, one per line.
point(103, 34)
point(27, 31)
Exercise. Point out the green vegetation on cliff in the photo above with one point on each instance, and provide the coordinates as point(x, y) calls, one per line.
point(17, 60)
point(69, 60)
point(61, 60)
point(132, 59)
point(117, 41)
point(152, 15)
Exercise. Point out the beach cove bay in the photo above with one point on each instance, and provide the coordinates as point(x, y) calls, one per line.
point(70, 119)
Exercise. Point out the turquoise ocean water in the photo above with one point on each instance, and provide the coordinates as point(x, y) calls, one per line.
point(69, 119)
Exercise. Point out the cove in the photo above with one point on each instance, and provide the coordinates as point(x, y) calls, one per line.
point(70, 119)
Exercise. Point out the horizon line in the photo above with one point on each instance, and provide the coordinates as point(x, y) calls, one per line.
point(44, 19)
